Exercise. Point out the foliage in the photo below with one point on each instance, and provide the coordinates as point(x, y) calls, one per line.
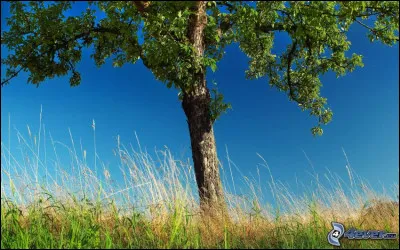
point(46, 43)
point(217, 105)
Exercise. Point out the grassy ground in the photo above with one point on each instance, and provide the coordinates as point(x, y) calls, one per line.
point(77, 206)
point(86, 225)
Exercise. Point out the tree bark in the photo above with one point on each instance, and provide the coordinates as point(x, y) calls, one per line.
point(196, 105)
point(204, 153)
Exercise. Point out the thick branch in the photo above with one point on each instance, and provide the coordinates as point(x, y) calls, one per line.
point(290, 56)
point(142, 6)
point(269, 28)
point(195, 33)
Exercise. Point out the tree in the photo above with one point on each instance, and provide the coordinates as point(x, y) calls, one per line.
point(178, 41)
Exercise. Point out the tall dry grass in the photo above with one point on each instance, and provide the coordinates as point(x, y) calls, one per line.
point(50, 203)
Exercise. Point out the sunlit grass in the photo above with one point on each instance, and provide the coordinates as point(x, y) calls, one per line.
point(48, 203)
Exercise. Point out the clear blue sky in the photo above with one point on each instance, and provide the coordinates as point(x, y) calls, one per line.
point(123, 100)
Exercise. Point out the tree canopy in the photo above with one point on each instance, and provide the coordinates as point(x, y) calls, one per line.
point(46, 43)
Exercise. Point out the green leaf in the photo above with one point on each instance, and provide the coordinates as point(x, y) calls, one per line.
point(213, 67)
point(45, 40)
point(217, 38)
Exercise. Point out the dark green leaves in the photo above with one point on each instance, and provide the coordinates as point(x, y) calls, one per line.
point(75, 79)
point(45, 43)
point(318, 44)
point(217, 105)
point(41, 42)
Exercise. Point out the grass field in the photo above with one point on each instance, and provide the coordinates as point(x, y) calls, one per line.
point(155, 206)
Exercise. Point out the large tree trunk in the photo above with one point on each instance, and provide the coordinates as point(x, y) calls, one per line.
point(197, 110)
point(196, 105)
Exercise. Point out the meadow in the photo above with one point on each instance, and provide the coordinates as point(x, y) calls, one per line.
point(48, 203)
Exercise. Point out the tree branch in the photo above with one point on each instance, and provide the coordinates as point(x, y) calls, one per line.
point(289, 66)
point(374, 31)
point(64, 43)
point(142, 6)
point(11, 77)
point(226, 4)
point(269, 28)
